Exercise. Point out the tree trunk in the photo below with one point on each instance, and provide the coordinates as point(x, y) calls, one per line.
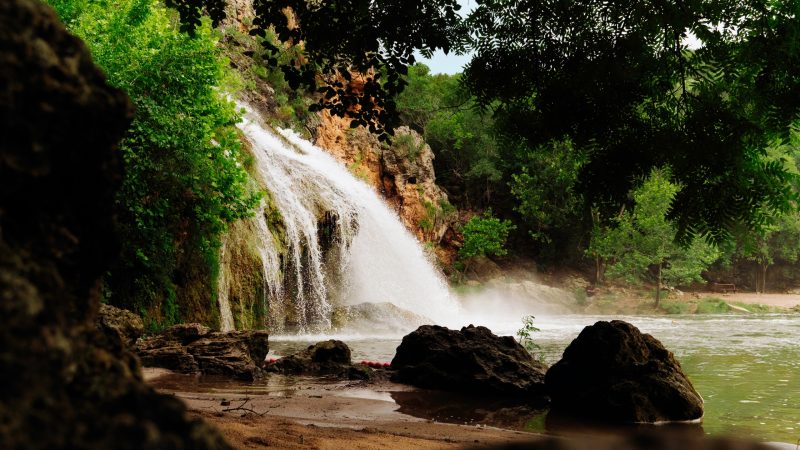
point(764, 278)
point(658, 286)
point(598, 270)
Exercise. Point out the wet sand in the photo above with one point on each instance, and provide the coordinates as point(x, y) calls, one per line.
point(313, 413)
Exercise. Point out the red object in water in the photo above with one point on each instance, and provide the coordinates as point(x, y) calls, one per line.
point(363, 363)
point(387, 365)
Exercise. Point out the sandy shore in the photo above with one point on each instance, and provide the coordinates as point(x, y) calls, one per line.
point(313, 413)
point(779, 300)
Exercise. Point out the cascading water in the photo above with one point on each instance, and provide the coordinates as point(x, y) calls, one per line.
point(362, 254)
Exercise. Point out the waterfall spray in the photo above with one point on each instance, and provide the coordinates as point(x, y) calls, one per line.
point(343, 244)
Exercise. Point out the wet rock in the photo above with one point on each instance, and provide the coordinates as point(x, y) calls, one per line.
point(376, 316)
point(168, 355)
point(330, 357)
point(120, 324)
point(470, 360)
point(191, 348)
point(63, 382)
point(613, 373)
point(186, 333)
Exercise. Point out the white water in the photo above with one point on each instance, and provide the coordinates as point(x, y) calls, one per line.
point(373, 258)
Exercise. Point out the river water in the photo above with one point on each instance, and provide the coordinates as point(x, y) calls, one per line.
point(747, 368)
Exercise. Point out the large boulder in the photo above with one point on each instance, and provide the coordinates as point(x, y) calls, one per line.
point(473, 360)
point(193, 348)
point(119, 324)
point(63, 382)
point(613, 373)
point(330, 357)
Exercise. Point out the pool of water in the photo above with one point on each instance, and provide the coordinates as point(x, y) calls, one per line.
point(747, 368)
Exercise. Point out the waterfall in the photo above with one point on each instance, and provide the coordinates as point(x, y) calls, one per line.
point(223, 301)
point(340, 243)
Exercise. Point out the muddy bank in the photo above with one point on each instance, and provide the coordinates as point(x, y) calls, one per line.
point(305, 412)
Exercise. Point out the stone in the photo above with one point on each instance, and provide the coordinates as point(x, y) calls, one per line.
point(193, 348)
point(186, 333)
point(122, 324)
point(65, 382)
point(224, 354)
point(329, 357)
point(366, 317)
point(472, 360)
point(612, 372)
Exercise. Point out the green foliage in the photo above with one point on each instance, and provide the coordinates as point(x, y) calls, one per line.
point(408, 145)
point(545, 191)
point(525, 334)
point(675, 307)
point(467, 162)
point(617, 79)
point(712, 306)
point(484, 235)
point(184, 179)
point(641, 247)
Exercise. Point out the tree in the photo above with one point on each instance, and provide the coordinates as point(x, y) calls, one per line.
point(544, 187)
point(375, 40)
point(642, 245)
point(468, 164)
point(618, 80)
point(484, 235)
point(184, 178)
point(777, 242)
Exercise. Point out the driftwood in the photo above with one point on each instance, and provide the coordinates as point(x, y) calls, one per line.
point(243, 408)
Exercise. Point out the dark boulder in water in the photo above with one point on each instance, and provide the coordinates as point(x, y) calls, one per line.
point(193, 348)
point(329, 357)
point(473, 360)
point(612, 372)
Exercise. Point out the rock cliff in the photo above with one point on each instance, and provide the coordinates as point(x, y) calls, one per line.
point(402, 172)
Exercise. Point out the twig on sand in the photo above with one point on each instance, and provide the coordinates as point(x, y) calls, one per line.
point(243, 408)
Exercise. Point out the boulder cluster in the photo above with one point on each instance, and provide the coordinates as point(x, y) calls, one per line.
point(193, 348)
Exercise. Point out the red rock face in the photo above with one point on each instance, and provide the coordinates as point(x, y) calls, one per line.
point(402, 173)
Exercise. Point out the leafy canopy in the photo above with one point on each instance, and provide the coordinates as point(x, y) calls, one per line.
point(619, 81)
point(184, 178)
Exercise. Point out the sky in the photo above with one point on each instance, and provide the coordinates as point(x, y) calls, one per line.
point(450, 64)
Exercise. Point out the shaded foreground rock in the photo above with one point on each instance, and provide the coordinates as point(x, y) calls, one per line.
point(119, 324)
point(330, 357)
point(613, 373)
point(472, 360)
point(193, 348)
point(63, 382)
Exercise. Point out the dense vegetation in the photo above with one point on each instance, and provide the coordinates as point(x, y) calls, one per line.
point(538, 188)
point(184, 175)
point(592, 132)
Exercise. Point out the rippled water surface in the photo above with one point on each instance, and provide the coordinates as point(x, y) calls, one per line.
point(747, 368)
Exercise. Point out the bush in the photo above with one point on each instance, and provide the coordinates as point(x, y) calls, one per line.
point(184, 180)
point(485, 235)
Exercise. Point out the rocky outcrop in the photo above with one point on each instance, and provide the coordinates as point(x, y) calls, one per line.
point(63, 383)
point(119, 324)
point(367, 317)
point(402, 172)
point(613, 373)
point(193, 348)
point(472, 360)
point(330, 358)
